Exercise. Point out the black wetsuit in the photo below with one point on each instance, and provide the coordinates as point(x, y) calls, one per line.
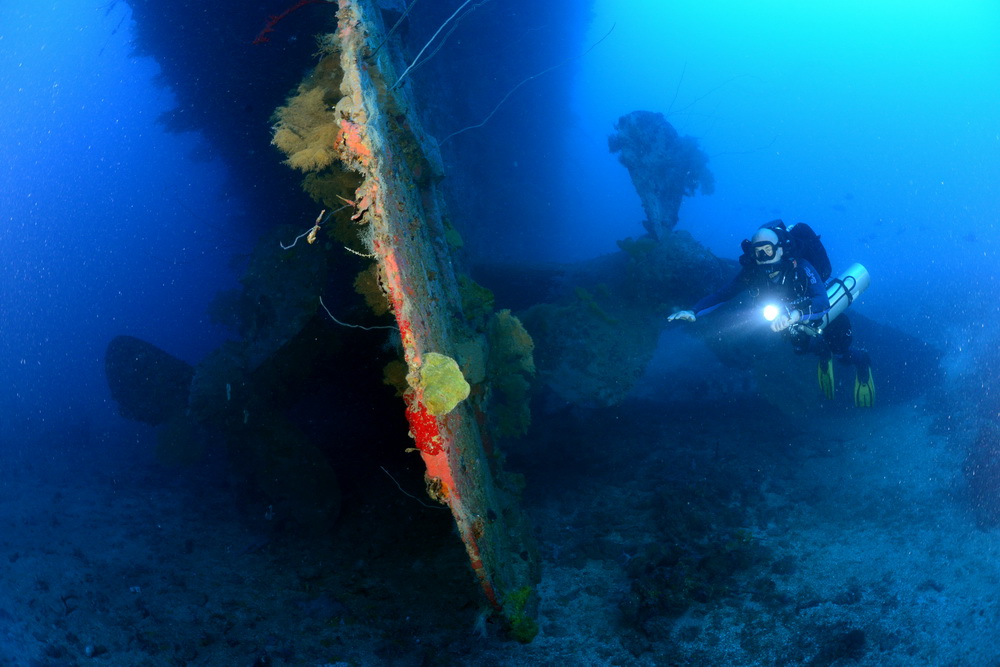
point(796, 284)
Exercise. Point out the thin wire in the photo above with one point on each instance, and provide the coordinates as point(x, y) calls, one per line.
point(433, 37)
point(677, 90)
point(352, 326)
point(514, 89)
point(406, 493)
point(322, 221)
point(454, 27)
point(393, 29)
point(721, 85)
point(292, 244)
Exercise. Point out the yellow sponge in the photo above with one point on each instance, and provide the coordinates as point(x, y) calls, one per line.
point(442, 383)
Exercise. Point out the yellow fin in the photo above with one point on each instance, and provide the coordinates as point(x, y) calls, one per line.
point(864, 392)
point(825, 374)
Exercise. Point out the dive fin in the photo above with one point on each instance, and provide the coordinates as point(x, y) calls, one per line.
point(864, 390)
point(825, 374)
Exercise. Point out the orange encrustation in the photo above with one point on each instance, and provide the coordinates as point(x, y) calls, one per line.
point(350, 134)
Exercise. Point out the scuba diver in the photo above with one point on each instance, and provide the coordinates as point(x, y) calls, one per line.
point(778, 267)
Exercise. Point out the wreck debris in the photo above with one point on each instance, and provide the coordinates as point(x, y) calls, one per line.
point(148, 384)
point(665, 167)
point(238, 394)
point(352, 128)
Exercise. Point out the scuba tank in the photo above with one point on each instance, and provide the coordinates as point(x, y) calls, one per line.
point(842, 291)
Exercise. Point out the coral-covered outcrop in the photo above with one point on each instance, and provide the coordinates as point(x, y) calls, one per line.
point(665, 167)
point(511, 369)
point(597, 332)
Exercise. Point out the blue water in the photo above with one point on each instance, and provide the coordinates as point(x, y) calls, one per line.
point(876, 123)
point(110, 224)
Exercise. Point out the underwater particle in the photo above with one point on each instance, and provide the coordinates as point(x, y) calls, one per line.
point(442, 384)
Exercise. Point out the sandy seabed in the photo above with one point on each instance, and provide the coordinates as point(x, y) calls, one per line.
point(871, 555)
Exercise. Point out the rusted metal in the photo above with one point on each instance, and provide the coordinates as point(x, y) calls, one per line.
point(400, 205)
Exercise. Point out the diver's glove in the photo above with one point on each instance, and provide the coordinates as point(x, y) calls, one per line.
point(686, 315)
point(785, 320)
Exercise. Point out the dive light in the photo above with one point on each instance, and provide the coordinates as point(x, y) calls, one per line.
point(841, 291)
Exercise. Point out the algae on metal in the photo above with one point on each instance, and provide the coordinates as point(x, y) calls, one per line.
point(387, 172)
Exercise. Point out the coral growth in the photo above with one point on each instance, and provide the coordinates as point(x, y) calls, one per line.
point(665, 167)
point(364, 125)
point(441, 384)
point(477, 301)
point(307, 130)
point(511, 346)
point(423, 426)
point(312, 127)
point(471, 357)
point(511, 365)
point(592, 347)
point(521, 614)
point(394, 375)
point(351, 134)
point(368, 285)
point(331, 187)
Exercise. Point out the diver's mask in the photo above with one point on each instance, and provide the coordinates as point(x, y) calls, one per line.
point(767, 252)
